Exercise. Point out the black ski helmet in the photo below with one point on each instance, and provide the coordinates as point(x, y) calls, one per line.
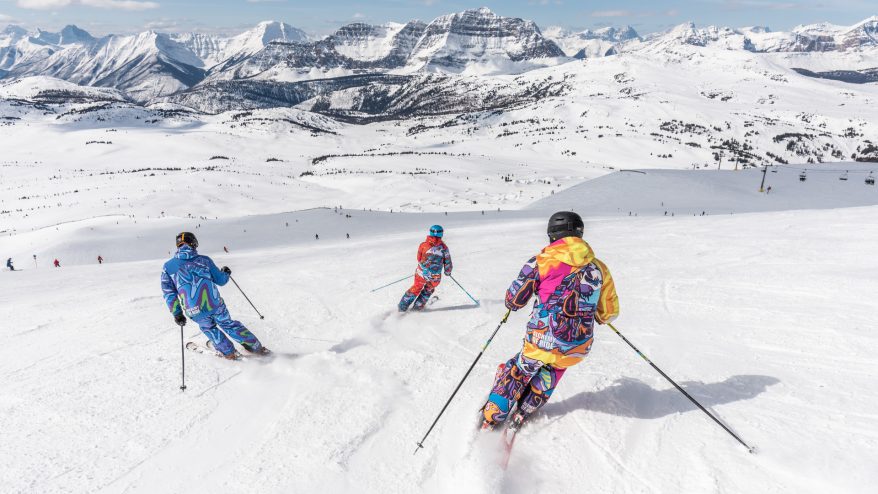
point(187, 238)
point(565, 224)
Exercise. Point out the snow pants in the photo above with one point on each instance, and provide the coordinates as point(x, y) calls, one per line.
point(523, 380)
point(419, 293)
point(211, 325)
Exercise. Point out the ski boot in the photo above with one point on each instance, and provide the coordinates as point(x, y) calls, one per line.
point(517, 421)
point(487, 425)
point(261, 351)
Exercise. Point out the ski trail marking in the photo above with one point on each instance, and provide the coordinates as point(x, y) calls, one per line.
point(608, 453)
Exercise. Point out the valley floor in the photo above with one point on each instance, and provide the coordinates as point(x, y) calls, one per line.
point(767, 318)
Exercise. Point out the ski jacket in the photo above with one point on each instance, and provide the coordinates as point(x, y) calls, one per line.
point(8, 262)
point(573, 290)
point(433, 257)
point(189, 283)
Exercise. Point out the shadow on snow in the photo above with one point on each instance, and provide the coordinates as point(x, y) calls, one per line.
point(628, 397)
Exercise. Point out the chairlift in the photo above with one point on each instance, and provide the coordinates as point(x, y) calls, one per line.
point(844, 176)
point(802, 176)
point(870, 180)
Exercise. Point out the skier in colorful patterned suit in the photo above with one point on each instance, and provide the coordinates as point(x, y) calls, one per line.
point(572, 290)
point(433, 258)
point(189, 284)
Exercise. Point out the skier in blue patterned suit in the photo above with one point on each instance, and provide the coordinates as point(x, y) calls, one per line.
point(433, 258)
point(189, 283)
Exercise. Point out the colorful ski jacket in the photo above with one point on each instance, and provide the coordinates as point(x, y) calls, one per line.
point(573, 290)
point(189, 283)
point(433, 257)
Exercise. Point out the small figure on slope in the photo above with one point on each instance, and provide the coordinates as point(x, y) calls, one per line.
point(100, 259)
point(573, 290)
point(189, 283)
point(57, 263)
point(433, 257)
point(9, 264)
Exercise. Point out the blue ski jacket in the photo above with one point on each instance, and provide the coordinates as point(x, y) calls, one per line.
point(189, 283)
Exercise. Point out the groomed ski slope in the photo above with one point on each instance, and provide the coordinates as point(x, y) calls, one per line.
point(767, 318)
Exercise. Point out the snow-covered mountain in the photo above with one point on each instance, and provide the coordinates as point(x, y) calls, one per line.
point(592, 43)
point(353, 49)
point(221, 72)
point(480, 38)
point(248, 43)
point(477, 41)
point(146, 65)
point(822, 37)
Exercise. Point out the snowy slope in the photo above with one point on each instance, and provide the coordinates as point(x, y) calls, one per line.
point(679, 192)
point(724, 304)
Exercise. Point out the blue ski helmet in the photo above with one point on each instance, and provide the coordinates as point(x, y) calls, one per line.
point(436, 231)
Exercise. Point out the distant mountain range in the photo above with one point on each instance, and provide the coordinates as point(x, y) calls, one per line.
point(186, 67)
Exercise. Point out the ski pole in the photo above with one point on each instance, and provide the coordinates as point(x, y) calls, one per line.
point(464, 290)
point(687, 395)
point(182, 361)
point(395, 282)
point(245, 296)
point(421, 442)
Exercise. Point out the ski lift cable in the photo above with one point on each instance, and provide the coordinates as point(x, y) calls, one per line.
point(816, 170)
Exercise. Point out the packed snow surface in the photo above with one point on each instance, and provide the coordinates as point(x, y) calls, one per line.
point(764, 317)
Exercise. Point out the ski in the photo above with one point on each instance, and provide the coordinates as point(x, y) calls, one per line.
point(206, 349)
point(430, 302)
point(509, 434)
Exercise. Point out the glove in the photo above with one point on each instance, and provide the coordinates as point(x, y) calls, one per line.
point(226, 270)
point(448, 273)
point(180, 319)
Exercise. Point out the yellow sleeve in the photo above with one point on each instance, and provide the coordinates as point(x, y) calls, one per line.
point(608, 303)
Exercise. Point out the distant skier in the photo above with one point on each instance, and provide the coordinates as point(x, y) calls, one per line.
point(100, 259)
point(57, 263)
point(9, 264)
point(189, 283)
point(573, 290)
point(433, 258)
point(226, 249)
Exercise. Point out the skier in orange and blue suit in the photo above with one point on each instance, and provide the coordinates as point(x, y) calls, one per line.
point(433, 258)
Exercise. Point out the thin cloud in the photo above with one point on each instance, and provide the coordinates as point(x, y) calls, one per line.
point(755, 4)
point(100, 4)
point(43, 4)
point(611, 13)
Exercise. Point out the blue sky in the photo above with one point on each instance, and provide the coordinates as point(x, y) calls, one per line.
point(323, 16)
